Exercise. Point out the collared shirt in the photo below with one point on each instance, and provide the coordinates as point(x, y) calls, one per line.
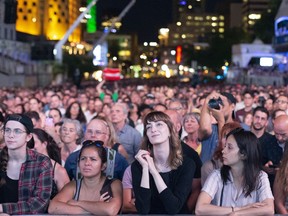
point(214, 184)
point(130, 138)
point(34, 186)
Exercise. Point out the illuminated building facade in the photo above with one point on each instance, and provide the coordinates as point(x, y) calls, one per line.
point(192, 24)
point(192, 28)
point(251, 12)
point(48, 18)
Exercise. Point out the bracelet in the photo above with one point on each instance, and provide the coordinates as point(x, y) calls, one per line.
point(232, 208)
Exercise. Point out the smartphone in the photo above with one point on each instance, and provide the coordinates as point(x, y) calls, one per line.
point(49, 121)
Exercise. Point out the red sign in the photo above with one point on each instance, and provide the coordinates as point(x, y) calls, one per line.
point(178, 54)
point(112, 74)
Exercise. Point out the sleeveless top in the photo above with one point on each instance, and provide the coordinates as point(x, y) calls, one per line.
point(54, 186)
point(106, 187)
point(9, 188)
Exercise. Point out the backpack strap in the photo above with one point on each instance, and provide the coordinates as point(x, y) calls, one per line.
point(111, 155)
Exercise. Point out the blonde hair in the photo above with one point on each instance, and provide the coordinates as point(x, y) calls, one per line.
point(112, 134)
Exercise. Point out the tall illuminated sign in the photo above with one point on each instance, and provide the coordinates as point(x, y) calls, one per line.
point(91, 22)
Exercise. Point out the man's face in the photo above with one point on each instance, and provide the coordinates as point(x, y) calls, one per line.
point(260, 120)
point(248, 100)
point(117, 114)
point(281, 133)
point(227, 107)
point(55, 102)
point(281, 103)
point(97, 130)
point(175, 105)
point(269, 104)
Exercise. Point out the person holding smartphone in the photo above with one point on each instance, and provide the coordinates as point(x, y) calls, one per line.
point(94, 193)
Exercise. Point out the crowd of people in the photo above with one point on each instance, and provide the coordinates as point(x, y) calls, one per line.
point(108, 150)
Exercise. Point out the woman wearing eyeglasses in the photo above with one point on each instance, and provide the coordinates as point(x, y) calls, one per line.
point(161, 176)
point(25, 175)
point(94, 193)
point(240, 187)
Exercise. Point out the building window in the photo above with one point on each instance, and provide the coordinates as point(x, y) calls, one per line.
point(63, 14)
point(25, 3)
point(55, 13)
point(20, 10)
point(29, 11)
point(34, 4)
point(59, 20)
point(24, 17)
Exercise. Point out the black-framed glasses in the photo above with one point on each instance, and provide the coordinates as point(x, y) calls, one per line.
point(97, 143)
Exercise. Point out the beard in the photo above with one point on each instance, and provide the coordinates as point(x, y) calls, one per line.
point(257, 128)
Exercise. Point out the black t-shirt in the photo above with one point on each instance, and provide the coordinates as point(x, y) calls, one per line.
point(192, 154)
point(10, 189)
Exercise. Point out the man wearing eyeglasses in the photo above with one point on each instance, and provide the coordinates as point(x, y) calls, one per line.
point(281, 103)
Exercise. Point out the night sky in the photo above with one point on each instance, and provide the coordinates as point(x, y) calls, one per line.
point(146, 17)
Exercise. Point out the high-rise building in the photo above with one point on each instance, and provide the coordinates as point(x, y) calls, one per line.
point(7, 19)
point(251, 12)
point(193, 24)
point(48, 18)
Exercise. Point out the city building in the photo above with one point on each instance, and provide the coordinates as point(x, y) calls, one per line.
point(251, 12)
point(49, 19)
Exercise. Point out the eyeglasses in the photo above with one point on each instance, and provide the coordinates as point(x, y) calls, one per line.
point(96, 132)
point(16, 131)
point(97, 143)
point(280, 101)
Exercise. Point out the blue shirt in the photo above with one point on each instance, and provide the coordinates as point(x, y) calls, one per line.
point(209, 145)
point(130, 138)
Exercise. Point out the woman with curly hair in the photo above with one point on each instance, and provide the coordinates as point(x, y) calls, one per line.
point(161, 176)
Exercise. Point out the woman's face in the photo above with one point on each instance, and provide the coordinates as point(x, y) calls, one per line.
point(191, 125)
point(74, 111)
point(15, 135)
point(157, 132)
point(39, 146)
point(55, 115)
point(68, 133)
point(231, 155)
point(90, 163)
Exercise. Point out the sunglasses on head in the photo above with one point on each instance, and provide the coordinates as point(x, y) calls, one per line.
point(97, 143)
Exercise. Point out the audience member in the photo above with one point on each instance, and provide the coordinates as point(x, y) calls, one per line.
point(248, 106)
point(239, 187)
point(25, 175)
point(129, 137)
point(98, 129)
point(216, 162)
point(160, 173)
point(71, 135)
point(45, 144)
point(209, 129)
point(93, 193)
